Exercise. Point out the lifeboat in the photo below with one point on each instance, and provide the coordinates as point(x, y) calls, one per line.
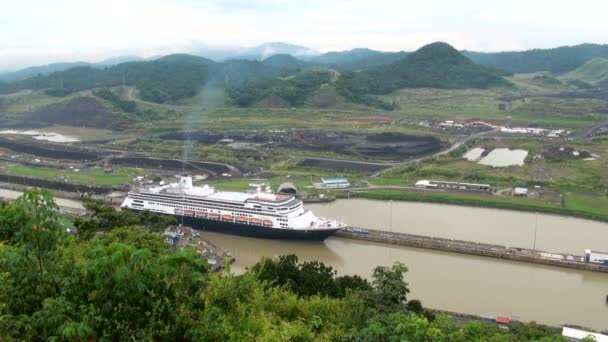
point(267, 223)
point(188, 212)
point(177, 211)
point(241, 219)
point(200, 213)
point(255, 220)
point(227, 217)
point(214, 216)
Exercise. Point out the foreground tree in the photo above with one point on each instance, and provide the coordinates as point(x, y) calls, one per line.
point(122, 285)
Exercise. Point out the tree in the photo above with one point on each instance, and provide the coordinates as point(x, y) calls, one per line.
point(105, 218)
point(307, 278)
point(390, 289)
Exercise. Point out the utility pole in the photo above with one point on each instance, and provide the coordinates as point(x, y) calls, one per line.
point(391, 215)
point(535, 228)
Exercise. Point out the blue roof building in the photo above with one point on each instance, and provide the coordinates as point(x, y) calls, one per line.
point(335, 182)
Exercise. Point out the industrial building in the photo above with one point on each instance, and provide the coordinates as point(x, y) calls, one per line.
point(431, 184)
point(522, 192)
point(335, 182)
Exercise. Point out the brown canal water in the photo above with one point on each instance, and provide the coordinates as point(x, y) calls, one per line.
point(457, 282)
point(554, 233)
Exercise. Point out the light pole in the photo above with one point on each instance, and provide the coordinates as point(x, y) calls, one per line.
point(391, 215)
point(535, 228)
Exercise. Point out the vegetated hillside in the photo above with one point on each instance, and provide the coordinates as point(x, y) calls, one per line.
point(594, 71)
point(293, 90)
point(85, 111)
point(437, 65)
point(285, 62)
point(38, 70)
point(241, 72)
point(163, 80)
point(557, 60)
point(357, 59)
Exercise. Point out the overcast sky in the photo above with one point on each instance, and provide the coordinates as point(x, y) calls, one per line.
point(44, 31)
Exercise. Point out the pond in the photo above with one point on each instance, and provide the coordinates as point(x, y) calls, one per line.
point(501, 157)
point(473, 154)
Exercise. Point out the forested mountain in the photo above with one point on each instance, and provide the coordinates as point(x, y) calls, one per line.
point(166, 79)
point(287, 62)
point(437, 65)
point(38, 70)
point(594, 71)
point(557, 60)
point(357, 59)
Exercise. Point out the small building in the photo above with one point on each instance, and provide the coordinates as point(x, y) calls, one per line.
point(108, 169)
point(522, 192)
point(431, 184)
point(335, 182)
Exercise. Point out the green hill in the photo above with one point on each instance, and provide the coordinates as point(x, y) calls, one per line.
point(437, 65)
point(293, 90)
point(163, 80)
point(357, 59)
point(557, 60)
point(594, 71)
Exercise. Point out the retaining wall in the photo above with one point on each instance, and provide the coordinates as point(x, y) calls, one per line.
point(466, 247)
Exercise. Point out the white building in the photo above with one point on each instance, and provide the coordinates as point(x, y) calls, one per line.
point(335, 182)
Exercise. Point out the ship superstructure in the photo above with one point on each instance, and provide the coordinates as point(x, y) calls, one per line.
point(260, 213)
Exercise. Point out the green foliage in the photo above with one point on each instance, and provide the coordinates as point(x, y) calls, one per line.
point(163, 80)
point(593, 71)
point(121, 286)
point(124, 105)
point(105, 217)
point(307, 278)
point(134, 236)
point(436, 65)
point(390, 289)
point(293, 90)
point(7, 88)
point(557, 60)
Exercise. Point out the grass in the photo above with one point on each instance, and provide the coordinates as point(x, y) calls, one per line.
point(594, 204)
point(93, 176)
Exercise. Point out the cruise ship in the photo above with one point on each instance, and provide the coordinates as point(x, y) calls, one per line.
point(257, 214)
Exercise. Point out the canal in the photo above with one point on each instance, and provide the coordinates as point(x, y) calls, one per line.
point(457, 282)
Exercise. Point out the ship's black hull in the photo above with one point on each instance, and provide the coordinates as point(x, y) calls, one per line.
point(254, 230)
